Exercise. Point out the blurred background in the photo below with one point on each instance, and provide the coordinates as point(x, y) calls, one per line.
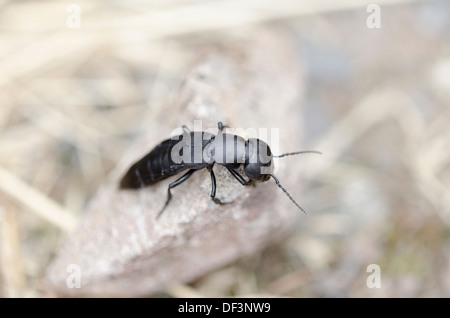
point(75, 90)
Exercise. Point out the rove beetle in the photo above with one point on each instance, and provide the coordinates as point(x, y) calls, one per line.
point(196, 150)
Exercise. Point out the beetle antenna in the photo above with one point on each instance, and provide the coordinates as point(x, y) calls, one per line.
point(287, 193)
point(297, 153)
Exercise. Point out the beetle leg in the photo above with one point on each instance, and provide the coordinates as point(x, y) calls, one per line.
point(213, 186)
point(186, 129)
point(221, 126)
point(240, 178)
point(173, 185)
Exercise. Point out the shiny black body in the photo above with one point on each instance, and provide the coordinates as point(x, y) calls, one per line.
point(230, 151)
point(158, 164)
point(193, 151)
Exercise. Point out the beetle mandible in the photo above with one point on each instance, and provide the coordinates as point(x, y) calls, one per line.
point(196, 150)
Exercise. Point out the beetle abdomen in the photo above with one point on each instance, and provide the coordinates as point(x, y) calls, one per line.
point(153, 167)
point(159, 164)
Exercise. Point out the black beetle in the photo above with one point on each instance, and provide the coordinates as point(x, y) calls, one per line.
point(193, 151)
